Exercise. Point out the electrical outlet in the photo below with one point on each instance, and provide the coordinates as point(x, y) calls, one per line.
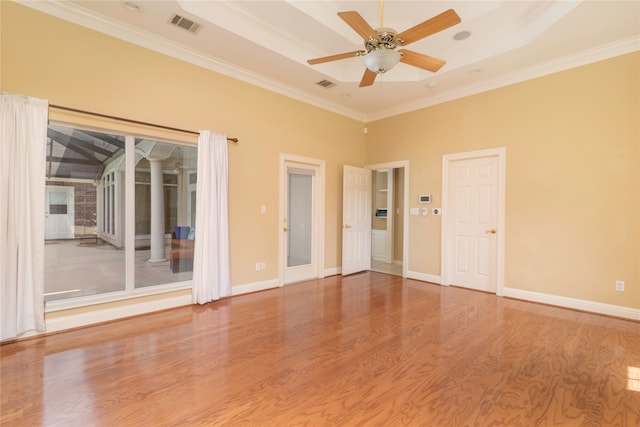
point(263, 265)
point(258, 265)
point(620, 285)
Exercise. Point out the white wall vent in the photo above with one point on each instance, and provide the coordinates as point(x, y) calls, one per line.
point(184, 23)
point(326, 84)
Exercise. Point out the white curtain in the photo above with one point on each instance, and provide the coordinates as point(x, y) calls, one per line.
point(23, 141)
point(211, 277)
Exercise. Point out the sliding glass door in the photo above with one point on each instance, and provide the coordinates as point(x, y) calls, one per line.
point(96, 243)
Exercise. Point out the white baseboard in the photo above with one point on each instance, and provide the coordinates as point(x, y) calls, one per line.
point(98, 316)
point(431, 278)
point(71, 321)
point(332, 271)
point(104, 315)
point(254, 287)
point(577, 304)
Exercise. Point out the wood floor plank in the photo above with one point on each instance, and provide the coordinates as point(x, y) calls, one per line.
point(367, 349)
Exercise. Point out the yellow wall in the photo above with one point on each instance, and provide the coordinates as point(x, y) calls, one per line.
point(75, 67)
point(572, 138)
point(573, 176)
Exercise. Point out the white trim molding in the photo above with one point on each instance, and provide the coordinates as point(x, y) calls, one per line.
point(65, 322)
point(589, 56)
point(248, 288)
point(334, 271)
point(318, 210)
point(574, 303)
point(424, 277)
point(78, 15)
point(92, 317)
point(71, 12)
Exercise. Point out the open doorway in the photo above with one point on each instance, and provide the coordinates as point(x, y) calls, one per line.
point(389, 218)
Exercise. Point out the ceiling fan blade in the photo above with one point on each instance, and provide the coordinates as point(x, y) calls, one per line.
point(431, 26)
point(420, 60)
point(359, 25)
point(335, 57)
point(367, 78)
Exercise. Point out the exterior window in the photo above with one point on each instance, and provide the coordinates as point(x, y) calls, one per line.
point(86, 250)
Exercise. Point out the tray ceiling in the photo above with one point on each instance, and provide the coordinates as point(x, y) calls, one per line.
point(267, 43)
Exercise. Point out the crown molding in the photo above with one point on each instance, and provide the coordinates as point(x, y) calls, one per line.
point(621, 47)
point(80, 16)
point(70, 12)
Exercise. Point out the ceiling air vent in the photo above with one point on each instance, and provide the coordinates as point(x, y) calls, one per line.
point(326, 84)
point(184, 23)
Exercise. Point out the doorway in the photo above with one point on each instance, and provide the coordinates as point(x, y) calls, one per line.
point(301, 219)
point(473, 220)
point(389, 217)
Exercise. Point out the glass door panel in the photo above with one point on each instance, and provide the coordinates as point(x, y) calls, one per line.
point(84, 228)
point(300, 189)
point(164, 212)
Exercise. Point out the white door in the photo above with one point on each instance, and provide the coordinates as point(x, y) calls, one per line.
point(473, 218)
point(300, 224)
point(356, 220)
point(59, 212)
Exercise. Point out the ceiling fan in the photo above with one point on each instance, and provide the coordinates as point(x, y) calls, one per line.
point(380, 54)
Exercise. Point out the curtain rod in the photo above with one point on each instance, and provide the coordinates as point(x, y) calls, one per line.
point(106, 116)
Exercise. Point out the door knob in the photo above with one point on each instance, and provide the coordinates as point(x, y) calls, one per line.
point(285, 229)
point(347, 226)
point(492, 231)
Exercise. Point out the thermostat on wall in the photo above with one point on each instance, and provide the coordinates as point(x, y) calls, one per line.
point(424, 198)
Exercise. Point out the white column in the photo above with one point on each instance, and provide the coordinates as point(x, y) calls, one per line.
point(157, 212)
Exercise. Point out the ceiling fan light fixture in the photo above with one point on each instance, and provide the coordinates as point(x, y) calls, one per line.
point(381, 60)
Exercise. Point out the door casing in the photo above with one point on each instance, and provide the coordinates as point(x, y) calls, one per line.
point(318, 213)
point(446, 231)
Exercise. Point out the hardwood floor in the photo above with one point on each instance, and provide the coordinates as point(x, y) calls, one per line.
point(369, 349)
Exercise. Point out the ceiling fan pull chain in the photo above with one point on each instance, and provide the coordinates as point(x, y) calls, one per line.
point(381, 13)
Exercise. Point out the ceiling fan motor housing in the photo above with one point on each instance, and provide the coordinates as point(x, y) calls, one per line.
point(386, 40)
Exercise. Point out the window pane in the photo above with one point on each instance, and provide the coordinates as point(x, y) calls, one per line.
point(84, 222)
point(165, 212)
point(300, 219)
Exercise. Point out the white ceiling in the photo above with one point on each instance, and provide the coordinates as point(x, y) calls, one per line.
point(267, 43)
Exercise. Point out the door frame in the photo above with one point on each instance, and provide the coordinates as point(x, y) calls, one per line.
point(447, 224)
point(405, 228)
point(318, 212)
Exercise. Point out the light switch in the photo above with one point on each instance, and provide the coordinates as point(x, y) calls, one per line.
point(425, 211)
point(263, 208)
point(414, 211)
